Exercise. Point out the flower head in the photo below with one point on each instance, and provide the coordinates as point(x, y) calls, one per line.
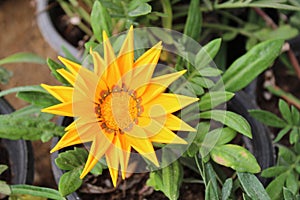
point(119, 106)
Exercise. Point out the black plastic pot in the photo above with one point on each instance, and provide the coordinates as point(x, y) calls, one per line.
point(260, 144)
point(48, 30)
point(20, 154)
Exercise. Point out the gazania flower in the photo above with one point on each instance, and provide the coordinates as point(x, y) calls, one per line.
point(119, 106)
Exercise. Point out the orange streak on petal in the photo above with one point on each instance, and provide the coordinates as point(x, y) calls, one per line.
point(113, 159)
point(167, 136)
point(174, 123)
point(126, 149)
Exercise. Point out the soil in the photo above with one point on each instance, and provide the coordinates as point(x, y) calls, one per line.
point(4, 160)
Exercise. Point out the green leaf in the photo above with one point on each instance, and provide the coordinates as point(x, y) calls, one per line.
point(285, 111)
point(230, 119)
point(54, 66)
point(70, 181)
point(212, 99)
point(250, 65)
point(100, 21)
point(236, 157)
point(226, 189)
point(32, 88)
point(252, 186)
point(294, 135)
point(71, 159)
point(27, 127)
point(207, 54)
point(141, 9)
point(286, 154)
point(5, 75)
point(284, 32)
point(282, 133)
point(22, 57)
point(295, 116)
point(4, 188)
point(268, 118)
point(215, 137)
point(193, 23)
point(38, 99)
point(168, 180)
point(210, 192)
point(275, 188)
point(288, 195)
point(274, 171)
point(292, 183)
point(3, 168)
point(36, 191)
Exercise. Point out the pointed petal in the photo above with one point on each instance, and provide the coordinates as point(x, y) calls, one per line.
point(157, 85)
point(173, 123)
point(63, 109)
point(67, 75)
point(99, 64)
point(112, 160)
point(112, 73)
point(126, 150)
point(73, 137)
point(140, 142)
point(126, 55)
point(144, 67)
point(99, 146)
point(72, 66)
point(168, 137)
point(63, 94)
point(166, 103)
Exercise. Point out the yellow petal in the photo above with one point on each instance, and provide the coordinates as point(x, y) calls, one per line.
point(63, 94)
point(173, 123)
point(144, 67)
point(73, 137)
point(166, 103)
point(126, 149)
point(112, 73)
point(99, 146)
point(67, 75)
point(167, 136)
point(140, 142)
point(112, 160)
point(126, 54)
point(63, 109)
point(157, 85)
point(99, 64)
point(72, 66)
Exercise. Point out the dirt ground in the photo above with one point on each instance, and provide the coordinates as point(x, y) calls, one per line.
point(19, 33)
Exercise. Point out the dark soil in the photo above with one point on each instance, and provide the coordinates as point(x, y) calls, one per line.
point(4, 160)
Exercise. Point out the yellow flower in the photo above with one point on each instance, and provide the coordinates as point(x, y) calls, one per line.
point(119, 106)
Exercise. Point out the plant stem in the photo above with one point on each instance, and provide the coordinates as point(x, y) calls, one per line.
point(167, 21)
point(201, 170)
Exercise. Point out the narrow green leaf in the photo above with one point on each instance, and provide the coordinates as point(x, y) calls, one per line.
point(212, 99)
point(230, 119)
point(207, 54)
point(282, 133)
point(288, 195)
point(274, 171)
point(268, 118)
point(226, 189)
point(36, 191)
point(236, 157)
point(100, 21)
point(295, 116)
point(54, 66)
point(37, 98)
point(211, 175)
point(252, 186)
point(210, 192)
point(275, 188)
point(285, 111)
point(5, 75)
point(193, 23)
point(294, 135)
point(70, 181)
point(292, 183)
point(22, 57)
point(250, 65)
point(32, 88)
point(287, 154)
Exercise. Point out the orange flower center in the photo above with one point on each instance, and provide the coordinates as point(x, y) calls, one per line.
point(118, 109)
